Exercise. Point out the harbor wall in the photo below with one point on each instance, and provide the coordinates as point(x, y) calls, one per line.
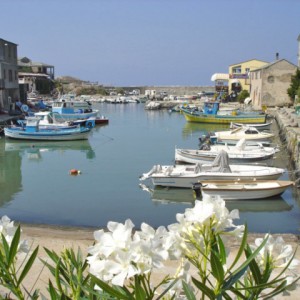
point(178, 90)
point(289, 132)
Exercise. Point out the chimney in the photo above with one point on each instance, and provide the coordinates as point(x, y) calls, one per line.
point(277, 55)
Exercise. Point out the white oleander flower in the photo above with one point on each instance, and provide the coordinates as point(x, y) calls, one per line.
point(8, 230)
point(278, 251)
point(119, 255)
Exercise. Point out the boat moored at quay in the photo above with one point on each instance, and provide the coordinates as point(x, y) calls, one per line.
point(211, 113)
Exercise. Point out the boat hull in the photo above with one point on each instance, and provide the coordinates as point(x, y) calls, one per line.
point(74, 116)
point(182, 178)
point(200, 156)
point(224, 119)
point(245, 191)
point(44, 135)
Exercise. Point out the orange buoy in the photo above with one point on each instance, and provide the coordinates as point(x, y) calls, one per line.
point(74, 172)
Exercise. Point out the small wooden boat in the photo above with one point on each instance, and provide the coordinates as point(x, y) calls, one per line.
point(247, 133)
point(264, 126)
point(32, 131)
point(240, 190)
point(239, 153)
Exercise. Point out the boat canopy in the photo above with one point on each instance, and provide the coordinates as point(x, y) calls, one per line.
point(221, 163)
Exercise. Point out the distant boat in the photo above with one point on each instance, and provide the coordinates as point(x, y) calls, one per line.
point(240, 190)
point(32, 131)
point(211, 114)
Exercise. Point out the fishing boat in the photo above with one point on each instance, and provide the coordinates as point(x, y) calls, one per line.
point(265, 126)
point(186, 176)
point(239, 153)
point(242, 190)
point(32, 131)
point(211, 113)
point(49, 119)
point(245, 132)
point(73, 110)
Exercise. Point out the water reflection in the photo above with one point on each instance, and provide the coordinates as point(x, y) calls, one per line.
point(177, 195)
point(34, 149)
point(199, 129)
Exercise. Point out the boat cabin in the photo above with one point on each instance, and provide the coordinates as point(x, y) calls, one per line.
point(71, 107)
point(211, 108)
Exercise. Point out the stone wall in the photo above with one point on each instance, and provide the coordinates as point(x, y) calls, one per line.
point(178, 90)
point(289, 131)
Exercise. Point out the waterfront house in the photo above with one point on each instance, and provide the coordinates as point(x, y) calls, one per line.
point(239, 75)
point(34, 77)
point(270, 82)
point(9, 88)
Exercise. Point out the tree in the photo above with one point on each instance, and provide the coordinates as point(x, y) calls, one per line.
point(243, 95)
point(295, 85)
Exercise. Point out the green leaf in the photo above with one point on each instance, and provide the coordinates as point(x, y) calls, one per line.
point(246, 263)
point(6, 249)
point(188, 291)
point(110, 290)
point(222, 250)
point(14, 246)
point(28, 265)
point(217, 267)
point(205, 290)
point(52, 291)
point(254, 267)
point(140, 294)
point(241, 249)
point(233, 278)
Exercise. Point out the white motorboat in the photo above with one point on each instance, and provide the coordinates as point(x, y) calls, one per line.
point(239, 190)
point(248, 133)
point(49, 119)
point(239, 153)
point(263, 126)
point(187, 175)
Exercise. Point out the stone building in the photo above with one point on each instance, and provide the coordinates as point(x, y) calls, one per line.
point(270, 82)
point(9, 88)
point(34, 78)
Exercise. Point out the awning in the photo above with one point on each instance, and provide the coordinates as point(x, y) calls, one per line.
point(234, 81)
point(219, 76)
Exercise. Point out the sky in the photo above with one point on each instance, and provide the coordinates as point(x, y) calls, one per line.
point(150, 42)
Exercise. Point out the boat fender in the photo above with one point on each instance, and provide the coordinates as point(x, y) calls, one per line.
point(74, 172)
point(89, 124)
point(24, 108)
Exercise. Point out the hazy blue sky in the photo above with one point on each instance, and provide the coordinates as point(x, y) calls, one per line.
point(150, 42)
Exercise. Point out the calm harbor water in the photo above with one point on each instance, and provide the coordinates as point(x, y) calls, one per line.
point(35, 185)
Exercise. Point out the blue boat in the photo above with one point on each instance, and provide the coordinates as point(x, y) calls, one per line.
point(32, 131)
point(73, 110)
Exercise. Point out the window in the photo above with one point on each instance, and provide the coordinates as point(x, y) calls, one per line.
point(237, 70)
point(10, 77)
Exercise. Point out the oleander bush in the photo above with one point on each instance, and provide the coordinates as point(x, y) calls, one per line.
point(121, 262)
